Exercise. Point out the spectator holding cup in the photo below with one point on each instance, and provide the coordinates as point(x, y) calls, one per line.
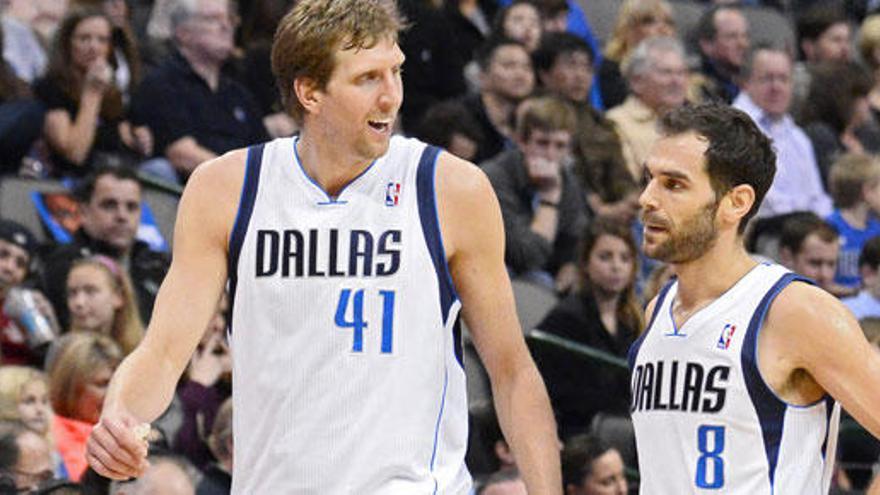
point(27, 319)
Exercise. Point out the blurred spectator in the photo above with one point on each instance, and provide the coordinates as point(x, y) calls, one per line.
point(506, 482)
point(449, 125)
point(167, 475)
point(823, 35)
point(488, 451)
point(21, 118)
point(723, 40)
point(79, 366)
point(17, 250)
point(25, 458)
point(636, 20)
point(871, 328)
point(564, 64)
point(867, 302)
point(603, 314)
point(809, 246)
point(44, 16)
point(855, 188)
point(542, 205)
point(259, 24)
point(837, 116)
point(590, 467)
point(506, 78)
point(569, 16)
point(657, 77)
point(24, 397)
point(22, 50)
point(211, 114)
point(201, 394)
point(434, 67)
point(126, 52)
point(520, 21)
point(218, 476)
point(766, 98)
point(110, 205)
point(101, 300)
point(86, 119)
point(869, 48)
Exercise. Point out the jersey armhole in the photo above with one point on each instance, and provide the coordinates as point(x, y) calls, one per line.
point(246, 201)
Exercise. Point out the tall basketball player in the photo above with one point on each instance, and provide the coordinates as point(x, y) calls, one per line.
point(734, 379)
point(349, 254)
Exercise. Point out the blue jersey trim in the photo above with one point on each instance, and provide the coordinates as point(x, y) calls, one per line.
point(331, 200)
point(430, 220)
point(770, 409)
point(437, 426)
point(829, 410)
point(245, 209)
point(633, 352)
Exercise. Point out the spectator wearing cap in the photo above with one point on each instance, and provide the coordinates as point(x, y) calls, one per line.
point(17, 248)
point(110, 205)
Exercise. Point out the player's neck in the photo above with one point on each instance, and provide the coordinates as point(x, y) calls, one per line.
point(703, 280)
point(327, 163)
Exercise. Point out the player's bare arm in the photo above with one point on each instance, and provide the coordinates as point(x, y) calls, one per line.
point(812, 344)
point(474, 239)
point(143, 385)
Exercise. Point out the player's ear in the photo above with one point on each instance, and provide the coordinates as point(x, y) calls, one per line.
point(737, 202)
point(309, 94)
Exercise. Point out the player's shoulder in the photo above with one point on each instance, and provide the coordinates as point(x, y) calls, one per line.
point(805, 307)
point(460, 179)
point(219, 177)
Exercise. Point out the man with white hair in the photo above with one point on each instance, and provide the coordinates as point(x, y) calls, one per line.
point(657, 77)
point(195, 112)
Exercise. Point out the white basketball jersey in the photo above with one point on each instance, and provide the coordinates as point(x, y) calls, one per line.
point(344, 330)
point(705, 420)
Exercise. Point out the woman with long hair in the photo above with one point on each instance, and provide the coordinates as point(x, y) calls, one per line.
point(79, 366)
point(100, 299)
point(86, 118)
point(603, 314)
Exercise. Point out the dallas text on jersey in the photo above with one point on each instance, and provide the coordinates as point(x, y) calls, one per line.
point(292, 253)
point(686, 387)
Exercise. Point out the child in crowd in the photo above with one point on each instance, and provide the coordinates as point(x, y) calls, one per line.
point(100, 299)
point(854, 183)
point(24, 397)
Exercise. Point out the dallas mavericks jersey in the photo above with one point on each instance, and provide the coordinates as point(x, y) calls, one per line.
point(705, 420)
point(344, 331)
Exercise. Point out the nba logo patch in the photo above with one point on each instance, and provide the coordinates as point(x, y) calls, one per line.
point(726, 336)
point(392, 194)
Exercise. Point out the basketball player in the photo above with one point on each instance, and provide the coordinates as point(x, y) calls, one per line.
point(349, 253)
point(734, 376)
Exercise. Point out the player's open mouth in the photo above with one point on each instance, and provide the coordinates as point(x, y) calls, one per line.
point(654, 229)
point(380, 125)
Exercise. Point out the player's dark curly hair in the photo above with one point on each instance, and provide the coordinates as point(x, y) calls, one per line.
point(738, 152)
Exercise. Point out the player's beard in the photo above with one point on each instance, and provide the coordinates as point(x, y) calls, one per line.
point(691, 240)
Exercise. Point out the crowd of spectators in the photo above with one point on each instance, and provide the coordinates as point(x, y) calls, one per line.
point(103, 96)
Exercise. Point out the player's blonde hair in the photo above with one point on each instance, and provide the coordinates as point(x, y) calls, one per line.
point(309, 36)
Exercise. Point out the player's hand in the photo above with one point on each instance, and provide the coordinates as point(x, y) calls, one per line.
point(115, 450)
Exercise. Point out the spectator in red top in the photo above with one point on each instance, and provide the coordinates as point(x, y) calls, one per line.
point(80, 366)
